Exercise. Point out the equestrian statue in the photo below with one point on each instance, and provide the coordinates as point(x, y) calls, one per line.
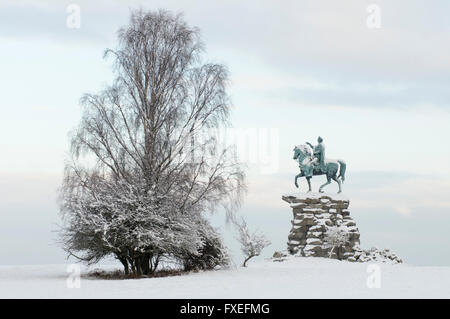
point(312, 162)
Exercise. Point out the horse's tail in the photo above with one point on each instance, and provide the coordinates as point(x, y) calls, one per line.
point(343, 166)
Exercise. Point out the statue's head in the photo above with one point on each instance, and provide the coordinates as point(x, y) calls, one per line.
point(319, 139)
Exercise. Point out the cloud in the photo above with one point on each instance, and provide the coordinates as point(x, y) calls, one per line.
point(301, 92)
point(402, 192)
point(307, 52)
point(29, 21)
point(32, 188)
point(29, 218)
point(414, 195)
point(322, 53)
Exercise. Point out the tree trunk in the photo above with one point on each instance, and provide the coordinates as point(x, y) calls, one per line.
point(331, 252)
point(246, 260)
point(144, 262)
point(125, 265)
point(155, 265)
point(137, 265)
point(153, 261)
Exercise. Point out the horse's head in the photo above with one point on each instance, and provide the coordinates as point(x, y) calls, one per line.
point(297, 152)
point(300, 151)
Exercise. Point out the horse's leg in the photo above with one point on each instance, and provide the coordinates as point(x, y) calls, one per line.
point(327, 183)
point(338, 180)
point(296, 177)
point(309, 183)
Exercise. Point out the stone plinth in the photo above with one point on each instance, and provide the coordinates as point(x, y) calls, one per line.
point(313, 215)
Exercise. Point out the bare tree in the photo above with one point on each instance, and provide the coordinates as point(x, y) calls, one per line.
point(251, 243)
point(137, 160)
point(335, 237)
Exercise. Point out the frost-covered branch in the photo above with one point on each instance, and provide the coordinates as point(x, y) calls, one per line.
point(335, 237)
point(251, 243)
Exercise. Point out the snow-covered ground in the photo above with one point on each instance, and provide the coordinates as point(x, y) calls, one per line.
point(294, 278)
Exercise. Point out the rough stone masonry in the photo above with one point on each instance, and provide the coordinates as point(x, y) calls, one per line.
point(313, 214)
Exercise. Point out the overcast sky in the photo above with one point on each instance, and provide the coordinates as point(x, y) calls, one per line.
point(379, 97)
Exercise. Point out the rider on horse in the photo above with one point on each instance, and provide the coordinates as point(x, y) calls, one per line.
point(319, 155)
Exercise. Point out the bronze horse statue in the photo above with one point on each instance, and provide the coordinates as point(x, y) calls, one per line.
point(309, 167)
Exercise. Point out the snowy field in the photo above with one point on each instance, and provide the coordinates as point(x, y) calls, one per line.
point(294, 278)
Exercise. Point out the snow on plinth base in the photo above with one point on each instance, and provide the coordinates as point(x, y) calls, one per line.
point(316, 195)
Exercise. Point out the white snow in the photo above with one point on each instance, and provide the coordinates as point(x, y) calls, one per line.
point(312, 210)
point(294, 278)
point(323, 216)
point(303, 196)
